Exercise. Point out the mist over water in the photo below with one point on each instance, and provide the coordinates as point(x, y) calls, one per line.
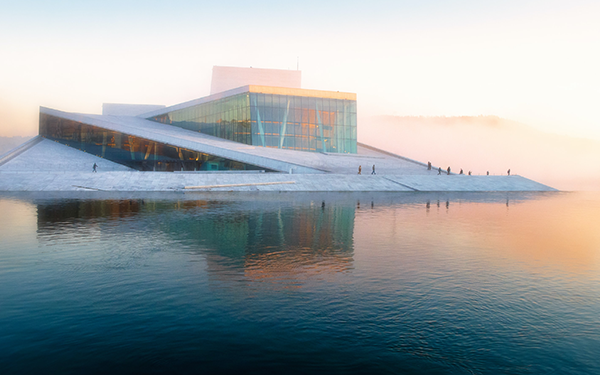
point(488, 143)
point(296, 283)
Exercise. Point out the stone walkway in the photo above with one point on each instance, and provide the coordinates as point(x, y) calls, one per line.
point(175, 181)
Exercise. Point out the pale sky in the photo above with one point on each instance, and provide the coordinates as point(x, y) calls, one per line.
point(536, 62)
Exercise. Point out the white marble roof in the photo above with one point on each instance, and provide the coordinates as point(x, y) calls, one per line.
point(281, 160)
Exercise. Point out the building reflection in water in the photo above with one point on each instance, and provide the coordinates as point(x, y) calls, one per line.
point(255, 242)
point(279, 238)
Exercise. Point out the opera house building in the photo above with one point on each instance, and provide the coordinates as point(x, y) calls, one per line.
point(257, 130)
point(273, 117)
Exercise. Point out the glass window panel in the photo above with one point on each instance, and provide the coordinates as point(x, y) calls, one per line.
point(253, 131)
point(325, 104)
point(347, 132)
point(353, 106)
point(298, 115)
point(339, 118)
point(268, 127)
point(267, 114)
point(230, 104)
point(283, 100)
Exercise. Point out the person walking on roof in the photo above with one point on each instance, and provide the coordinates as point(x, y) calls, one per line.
point(94, 167)
point(359, 169)
point(373, 169)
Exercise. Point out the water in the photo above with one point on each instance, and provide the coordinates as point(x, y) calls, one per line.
point(298, 283)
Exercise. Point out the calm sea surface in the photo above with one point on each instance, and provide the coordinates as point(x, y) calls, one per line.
point(300, 283)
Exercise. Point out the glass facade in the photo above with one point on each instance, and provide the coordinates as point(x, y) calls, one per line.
point(303, 123)
point(227, 118)
point(135, 152)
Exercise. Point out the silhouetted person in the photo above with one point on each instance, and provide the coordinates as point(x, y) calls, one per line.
point(508, 172)
point(359, 169)
point(461, 171)
point(469, 173)
point(440, 170)
point(95, 167)
point(428, 165)
point(488, 173)
point(448, 171)
point(373, 169)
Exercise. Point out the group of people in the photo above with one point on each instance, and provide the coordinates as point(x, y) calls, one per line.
point(448, 171)
point(461, 171)
point(360, 169)
point(95, 166)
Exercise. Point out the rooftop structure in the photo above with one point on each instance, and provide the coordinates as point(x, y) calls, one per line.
point(226, 78)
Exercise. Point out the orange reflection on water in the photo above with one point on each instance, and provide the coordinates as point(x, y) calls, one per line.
point(292, 267)
point(562, 230)
point(558, 230)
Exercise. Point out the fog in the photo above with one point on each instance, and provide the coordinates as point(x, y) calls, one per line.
point(531, 61)
point(488, 143)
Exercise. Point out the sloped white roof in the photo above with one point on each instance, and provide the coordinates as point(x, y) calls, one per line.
point(281, 160)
